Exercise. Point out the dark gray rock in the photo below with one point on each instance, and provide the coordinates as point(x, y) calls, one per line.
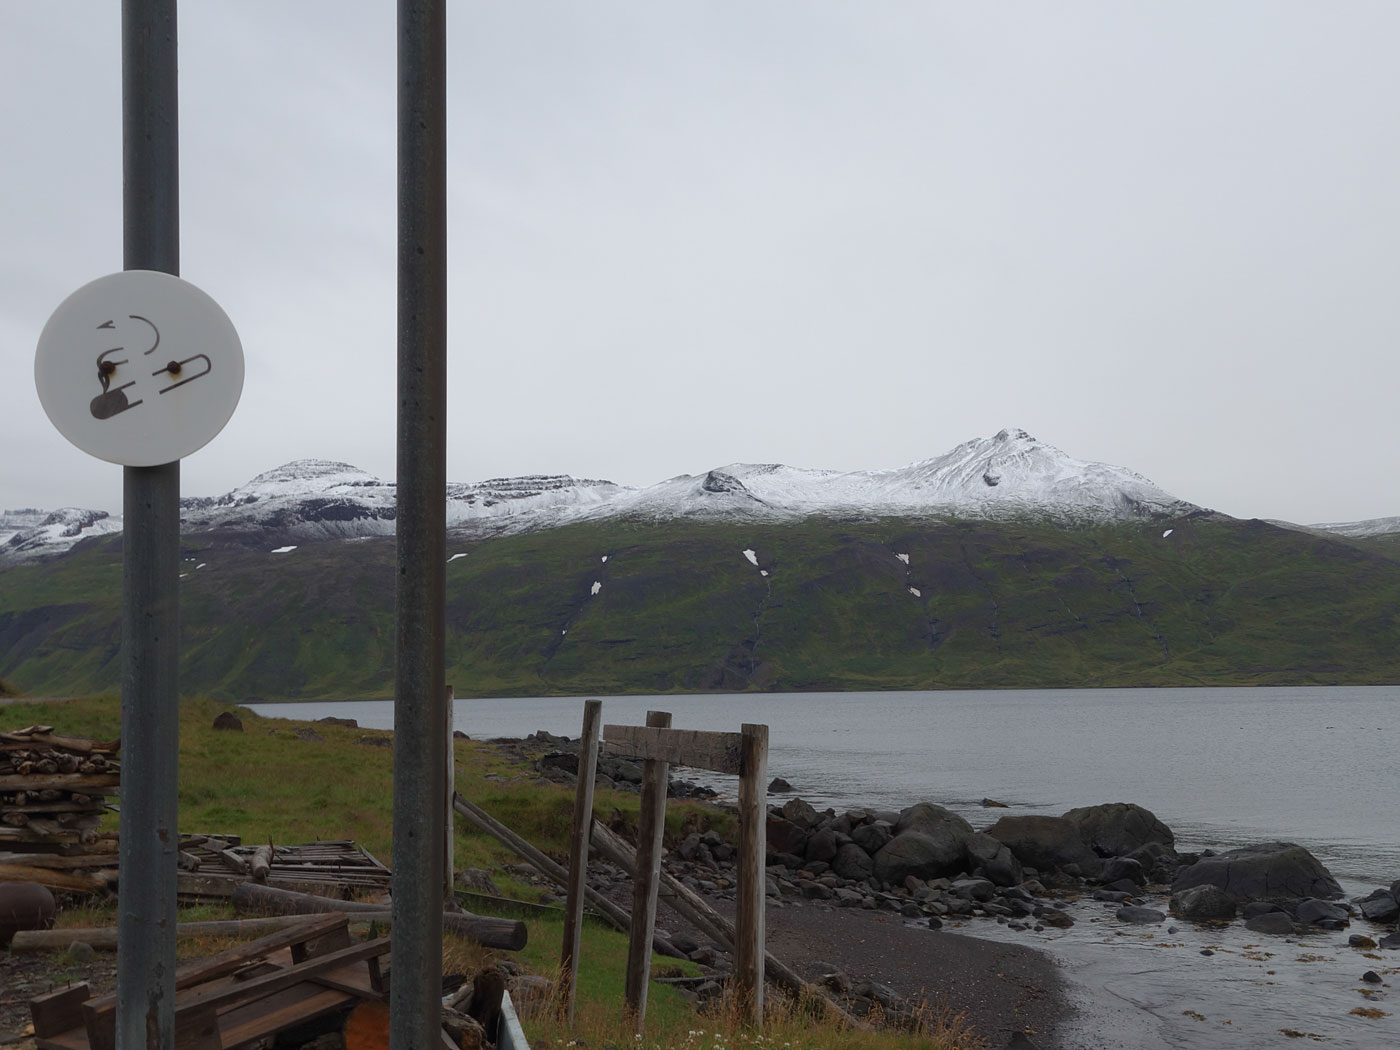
point(1139, 916)
point(785, 837)
point(852, 862)
point(1393, 941)
point(1381, 909)
point(973, 889)
point(1112, 896)
point(1117, 869)
point(997, 862)
point(1046, 843)
point(1204, 902)
point(1371, 977)
point(1055, 917)
point(228, 720)
point(926, 855)
point(1314, 912)
point(1268, 871)
point(822, 845)
point(927, 818)
point(1254, 908)
point(1275, 923)
point(872, 837)
point(1118, 828)
point(803, 814)
point(1158, 861)
point(778, 784)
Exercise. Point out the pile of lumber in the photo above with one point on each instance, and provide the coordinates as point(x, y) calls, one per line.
point(54, 788)
point(337, 866)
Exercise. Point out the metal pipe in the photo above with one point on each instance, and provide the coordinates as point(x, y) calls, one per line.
point(420, 692)
point(150, 562)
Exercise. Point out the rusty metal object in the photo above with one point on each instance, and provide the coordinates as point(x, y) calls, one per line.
point(24, 906)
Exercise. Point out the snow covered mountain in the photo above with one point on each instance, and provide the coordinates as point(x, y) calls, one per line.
point(1009, 475)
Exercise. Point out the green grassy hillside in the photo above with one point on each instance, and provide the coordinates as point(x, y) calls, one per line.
point(680, 608)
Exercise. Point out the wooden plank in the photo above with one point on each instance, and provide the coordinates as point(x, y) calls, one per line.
point(358, 980)
point(104, 938)
point(578, 857)
point(87, 783)
point(651, 824)
point(58, 1011)
point(99, 1015)
point(749, 932)
point(198, 998)
point(682, 747)
point(303, 1002)
point(197, 1030)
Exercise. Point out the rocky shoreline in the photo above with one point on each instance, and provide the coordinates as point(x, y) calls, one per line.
point(1026, 873)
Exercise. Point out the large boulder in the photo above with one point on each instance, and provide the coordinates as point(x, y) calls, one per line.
point(1266, 872)
point(852, 862)
point(24, 906)
point(927, 818)
point(1047, 843)
point(996, 861)
point(785, 837)
point(924, 856)
point(1117, 828)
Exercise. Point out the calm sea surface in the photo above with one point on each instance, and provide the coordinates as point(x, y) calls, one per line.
point(1222, 767)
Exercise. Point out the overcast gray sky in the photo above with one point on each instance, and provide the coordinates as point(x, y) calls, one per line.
point(830, 234)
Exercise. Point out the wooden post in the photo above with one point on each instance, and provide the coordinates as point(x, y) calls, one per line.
point(448, 871)
point(650, 827)
point(749, 947)
point(578, 856)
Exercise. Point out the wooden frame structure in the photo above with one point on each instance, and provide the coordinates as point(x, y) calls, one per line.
point(744, 754)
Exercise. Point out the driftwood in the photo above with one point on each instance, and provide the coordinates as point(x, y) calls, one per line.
point(691, 906)
point(506, 934)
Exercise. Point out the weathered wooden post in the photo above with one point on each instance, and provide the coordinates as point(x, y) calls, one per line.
point(650, 826)
point(744, 754)
point(578, 857)
point(749, 933)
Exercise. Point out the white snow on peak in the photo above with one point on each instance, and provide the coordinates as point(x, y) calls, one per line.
point(903, 557)
point(916, 592)
point(597, 586)
point(752, 555)
point(284, 550)
point(29, 532)
point(1357, 530)
point(1167, 532)
point(455, 557)
point(763, 572)
point(1009, 475)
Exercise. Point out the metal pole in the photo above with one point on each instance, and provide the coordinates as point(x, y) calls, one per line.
point(150, 562)
point(419, 678)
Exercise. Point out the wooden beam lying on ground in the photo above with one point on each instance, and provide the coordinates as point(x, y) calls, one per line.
point(506, 934)
point(54, 880)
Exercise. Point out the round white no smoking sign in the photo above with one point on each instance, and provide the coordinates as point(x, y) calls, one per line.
point(139, 368)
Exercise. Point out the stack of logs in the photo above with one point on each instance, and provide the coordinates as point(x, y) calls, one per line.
point(52, 788)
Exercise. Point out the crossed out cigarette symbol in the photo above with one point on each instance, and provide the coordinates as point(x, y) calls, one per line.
point(114, 400)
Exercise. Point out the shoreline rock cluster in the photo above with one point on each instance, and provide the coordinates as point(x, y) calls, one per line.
point(926, 862)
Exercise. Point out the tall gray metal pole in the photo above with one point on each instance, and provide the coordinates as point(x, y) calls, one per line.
point(150, 562)
point(420, 692)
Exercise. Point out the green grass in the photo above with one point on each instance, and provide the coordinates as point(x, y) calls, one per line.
point(266, 784)
point(681, 610)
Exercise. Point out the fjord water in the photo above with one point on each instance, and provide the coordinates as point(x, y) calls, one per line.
point(1222, 767)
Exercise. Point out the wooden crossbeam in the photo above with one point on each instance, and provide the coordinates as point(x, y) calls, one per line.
point(720, 752)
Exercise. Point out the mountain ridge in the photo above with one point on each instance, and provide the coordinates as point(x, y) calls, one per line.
point(1007, 476)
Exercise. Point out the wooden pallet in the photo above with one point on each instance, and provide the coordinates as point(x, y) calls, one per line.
point(337, 863)
point(236, 997)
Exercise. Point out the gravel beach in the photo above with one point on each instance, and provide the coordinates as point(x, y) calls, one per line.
point(1000, 989)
